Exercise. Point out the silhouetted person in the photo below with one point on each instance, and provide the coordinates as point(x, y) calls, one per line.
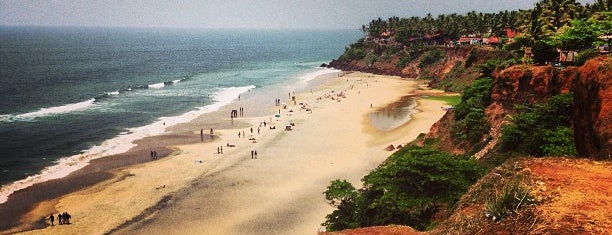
point(52, 218)
point(60, 220)
point(252, 154)
point(66, 218)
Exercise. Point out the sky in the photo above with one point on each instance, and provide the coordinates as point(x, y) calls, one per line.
point(261, 14)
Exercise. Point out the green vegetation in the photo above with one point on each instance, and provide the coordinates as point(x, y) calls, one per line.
point(541, 129)
point(409, 55)
point(407, 189)
point(355, 52)
point(414, 183)
point(470, 123)
point(509, 201)
point(550, 25)
point(450, 100)
point(430, 57)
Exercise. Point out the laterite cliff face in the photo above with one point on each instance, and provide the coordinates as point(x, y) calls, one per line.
point(592, 115)
point(593, 108)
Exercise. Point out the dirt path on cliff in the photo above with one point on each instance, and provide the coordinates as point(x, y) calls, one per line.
point(575, 197)
point(576, 193)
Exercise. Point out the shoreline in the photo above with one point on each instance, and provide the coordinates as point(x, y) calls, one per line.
point(187, 155)
point(96, 170)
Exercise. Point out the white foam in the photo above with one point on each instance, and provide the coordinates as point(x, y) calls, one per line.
point(177, 81)
point(121, 143)
point(157, 85)
point(48, 111)
point(320, 71)
point(112, 93)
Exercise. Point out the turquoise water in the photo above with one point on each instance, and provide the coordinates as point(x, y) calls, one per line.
point(71, 91)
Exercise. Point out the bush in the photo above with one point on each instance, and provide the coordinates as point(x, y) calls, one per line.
point(409, 56)
point(541, 129)
point(512, 198)
point(585, 55)
point(470, 59)
point(407, 189)
point(354, 52)
point(558, 142)
point(543, 51)
point(431, 57)
point(470, 122)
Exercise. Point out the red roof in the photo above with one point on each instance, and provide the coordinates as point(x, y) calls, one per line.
point(493, 40)
point(464, 39)
point(511, 33)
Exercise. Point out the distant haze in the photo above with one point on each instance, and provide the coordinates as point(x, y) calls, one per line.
point(267, 14)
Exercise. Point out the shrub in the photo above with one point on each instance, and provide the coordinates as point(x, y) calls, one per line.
point(355, 51)
point(558, 142)
point(471, 123)
point(408, 56)
point(585, 55)
point(541, 129)
point(543, 51)
point(512, 198)
point(470, 59)
point(407, 189)
point(431, 57)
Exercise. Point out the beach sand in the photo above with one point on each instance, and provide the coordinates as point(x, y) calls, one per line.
point(197, 191)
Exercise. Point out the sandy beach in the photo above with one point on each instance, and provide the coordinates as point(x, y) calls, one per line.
point(195, 190)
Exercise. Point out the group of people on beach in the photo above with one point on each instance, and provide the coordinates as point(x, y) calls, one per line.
point(235, 113)
point(202, 134)
point(62, 218)
point(220, 150)
point(153, 155)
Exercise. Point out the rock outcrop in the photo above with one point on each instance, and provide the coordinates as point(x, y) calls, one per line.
point(592, 114)
point(593, 108)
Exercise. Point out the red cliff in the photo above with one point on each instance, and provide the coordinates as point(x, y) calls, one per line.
point(593, 108)
point(592, 116)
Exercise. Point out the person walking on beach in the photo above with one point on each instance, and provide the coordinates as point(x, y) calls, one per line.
point(154, 154)
point(239, 135)
point(251, 130)
point(52, 218)
point(60, 220)
point(252, 154)
point(255, 154)
point(151, 155)
point(66, 217)
point(221, 149)
point(258, 130)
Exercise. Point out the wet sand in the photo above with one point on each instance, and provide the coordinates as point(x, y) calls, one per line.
point(197, 191)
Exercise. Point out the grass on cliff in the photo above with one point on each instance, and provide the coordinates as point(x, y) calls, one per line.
point(450, 100)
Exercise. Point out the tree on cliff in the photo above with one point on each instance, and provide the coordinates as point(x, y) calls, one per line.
point(407, 189)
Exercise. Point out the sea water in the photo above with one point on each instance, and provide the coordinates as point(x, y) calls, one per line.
point(69, 95)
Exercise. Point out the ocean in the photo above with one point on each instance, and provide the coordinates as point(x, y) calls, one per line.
point(69, 95)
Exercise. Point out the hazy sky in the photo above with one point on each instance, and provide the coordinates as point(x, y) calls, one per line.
point(235, 13)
